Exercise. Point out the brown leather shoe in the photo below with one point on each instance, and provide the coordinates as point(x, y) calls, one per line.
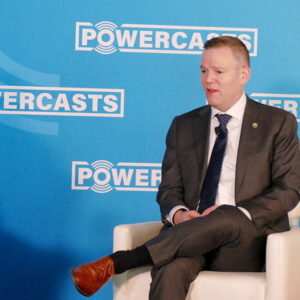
point(89, 278)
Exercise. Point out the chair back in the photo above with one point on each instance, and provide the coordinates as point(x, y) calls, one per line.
point(294, 216)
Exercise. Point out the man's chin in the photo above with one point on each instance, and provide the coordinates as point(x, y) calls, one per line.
point(213, 101)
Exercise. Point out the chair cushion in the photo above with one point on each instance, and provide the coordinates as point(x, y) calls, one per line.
point(207, 285)
point(228, 286)
point(133, 284)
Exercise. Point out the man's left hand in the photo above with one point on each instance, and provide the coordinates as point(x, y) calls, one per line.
point(209, 210)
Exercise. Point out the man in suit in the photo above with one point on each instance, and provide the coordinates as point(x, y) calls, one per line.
point(230, 174)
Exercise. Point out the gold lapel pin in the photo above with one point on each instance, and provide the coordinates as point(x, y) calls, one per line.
point(254, 125)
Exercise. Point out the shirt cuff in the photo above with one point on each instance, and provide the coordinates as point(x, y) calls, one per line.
point(171, 214)
point(246, 212)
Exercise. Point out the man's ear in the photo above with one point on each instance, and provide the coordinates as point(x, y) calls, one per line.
point(245, 74)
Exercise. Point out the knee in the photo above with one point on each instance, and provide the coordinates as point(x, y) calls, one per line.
point(234, 222)
point(229, 215)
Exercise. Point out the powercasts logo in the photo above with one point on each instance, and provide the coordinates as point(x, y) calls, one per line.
point(288, 102)
point(102, 176)
point(107, 38)
point(85, 102)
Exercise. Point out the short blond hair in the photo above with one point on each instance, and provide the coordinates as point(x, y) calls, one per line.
point(237, 46)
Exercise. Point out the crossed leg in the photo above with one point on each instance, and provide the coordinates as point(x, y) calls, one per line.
point(225, 240)
point(172, 281)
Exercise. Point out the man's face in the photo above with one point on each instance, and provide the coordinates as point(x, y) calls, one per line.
point(223, 77)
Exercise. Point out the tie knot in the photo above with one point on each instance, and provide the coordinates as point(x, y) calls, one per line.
point(223, 120)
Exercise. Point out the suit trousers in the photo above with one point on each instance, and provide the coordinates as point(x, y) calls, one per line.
point(224, 240)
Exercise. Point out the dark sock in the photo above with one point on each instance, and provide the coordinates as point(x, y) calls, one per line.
point(125, 260)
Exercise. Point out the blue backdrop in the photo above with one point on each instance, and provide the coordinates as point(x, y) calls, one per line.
point(88, 91)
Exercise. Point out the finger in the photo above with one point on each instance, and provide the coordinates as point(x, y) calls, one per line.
point(194, 213)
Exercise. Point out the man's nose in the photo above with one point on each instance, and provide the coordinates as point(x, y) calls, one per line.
point(208, 77)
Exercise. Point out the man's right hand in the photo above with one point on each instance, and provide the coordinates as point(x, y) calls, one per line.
point(184, 215)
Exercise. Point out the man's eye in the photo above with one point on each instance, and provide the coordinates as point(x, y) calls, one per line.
point(203, 71)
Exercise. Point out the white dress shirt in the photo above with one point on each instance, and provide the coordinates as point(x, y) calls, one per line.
point(226, 188)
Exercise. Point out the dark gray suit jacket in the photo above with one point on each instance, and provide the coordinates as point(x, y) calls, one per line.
point(267, 171)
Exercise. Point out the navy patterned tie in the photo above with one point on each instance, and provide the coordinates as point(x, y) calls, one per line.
point(210, 186)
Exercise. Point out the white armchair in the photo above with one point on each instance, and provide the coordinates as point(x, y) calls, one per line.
point(281, 281)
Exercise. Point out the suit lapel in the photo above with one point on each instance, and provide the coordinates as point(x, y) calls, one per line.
point(201, 126)
point(251, 128)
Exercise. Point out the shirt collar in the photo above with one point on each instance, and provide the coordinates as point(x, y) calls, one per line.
point(236, 111)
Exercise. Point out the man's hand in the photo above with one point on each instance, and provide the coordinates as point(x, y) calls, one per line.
point(186, 215)
point(209, 210)
point(182, 216)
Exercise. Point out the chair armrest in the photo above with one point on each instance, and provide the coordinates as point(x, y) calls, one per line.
point(129, 236)
point(283, 265)
point(294, 215)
